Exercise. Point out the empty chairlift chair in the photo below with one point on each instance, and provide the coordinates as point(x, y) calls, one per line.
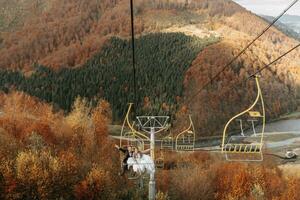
point(246, 146)
point(167, 143)
point(160, 161)
point(185, 141)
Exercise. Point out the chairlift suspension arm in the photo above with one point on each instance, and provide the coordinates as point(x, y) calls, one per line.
point(135, 132)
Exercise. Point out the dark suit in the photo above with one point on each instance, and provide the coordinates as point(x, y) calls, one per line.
point(127, 155)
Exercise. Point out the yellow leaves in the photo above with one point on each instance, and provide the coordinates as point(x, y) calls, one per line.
point(161, 196)
point(101, 116)
point(22, 114)
point(6, 168)
point(68, 162)
point(97, 178)
point(97, 185)
point(79, 116)
point(53, 166)
point(82, 126)
point(8, 145)
point(32, 167)
point(102, 109)
point(234, 181)
point(41, 175)
point(227, 181)
point(32, 173)
point(292, 191)
point(257, 192)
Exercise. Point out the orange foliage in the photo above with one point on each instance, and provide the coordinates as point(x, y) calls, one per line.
point(45, 155)
point(292, 191)
point(230, 93)
point(43, 161)
point(97, 185)
point(42, 129)
point(67, 33)
point(205, 177)
point(233, 181)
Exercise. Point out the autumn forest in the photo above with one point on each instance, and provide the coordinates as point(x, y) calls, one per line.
point(66, 80)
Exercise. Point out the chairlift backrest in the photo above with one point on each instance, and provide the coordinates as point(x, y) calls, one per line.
point(167, 142)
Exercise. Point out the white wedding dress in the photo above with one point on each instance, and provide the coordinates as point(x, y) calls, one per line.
point(141, 163)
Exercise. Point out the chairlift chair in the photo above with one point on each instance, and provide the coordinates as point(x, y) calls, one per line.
point(133, 138)
point(160, 161)
point(246, 147)
point(167, 142)
point(185, 141)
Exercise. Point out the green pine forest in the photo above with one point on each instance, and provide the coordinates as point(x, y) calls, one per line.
point(161, 62)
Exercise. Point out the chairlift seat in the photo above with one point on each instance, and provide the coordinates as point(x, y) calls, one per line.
point(243, 148)
point(185, 147)
point(167, 143)
point(255, 114)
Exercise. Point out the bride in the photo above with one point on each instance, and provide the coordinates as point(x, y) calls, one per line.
point(141, 162)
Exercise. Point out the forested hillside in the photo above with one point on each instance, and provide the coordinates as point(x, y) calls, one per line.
point(231, 93)
point(68, 33)
point(14, 13)
point(162, 60)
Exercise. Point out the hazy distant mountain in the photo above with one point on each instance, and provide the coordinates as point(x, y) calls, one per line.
point(289, 24)
point(292, 21)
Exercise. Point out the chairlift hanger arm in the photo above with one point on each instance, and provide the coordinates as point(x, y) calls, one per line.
point(163, 129)
point(135, 132)
point(184, 131)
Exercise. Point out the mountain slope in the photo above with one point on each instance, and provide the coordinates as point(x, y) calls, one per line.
point(60, 38)
point(231, 93)
point(71, 32)
point(160, 72)
point(14, 13)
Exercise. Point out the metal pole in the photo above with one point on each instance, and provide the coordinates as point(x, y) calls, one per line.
point(152, 175)
point(152, 125)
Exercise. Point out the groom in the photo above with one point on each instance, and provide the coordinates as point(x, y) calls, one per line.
point(128, 152)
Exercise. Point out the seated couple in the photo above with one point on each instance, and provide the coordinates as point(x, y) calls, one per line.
point(138, 160)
